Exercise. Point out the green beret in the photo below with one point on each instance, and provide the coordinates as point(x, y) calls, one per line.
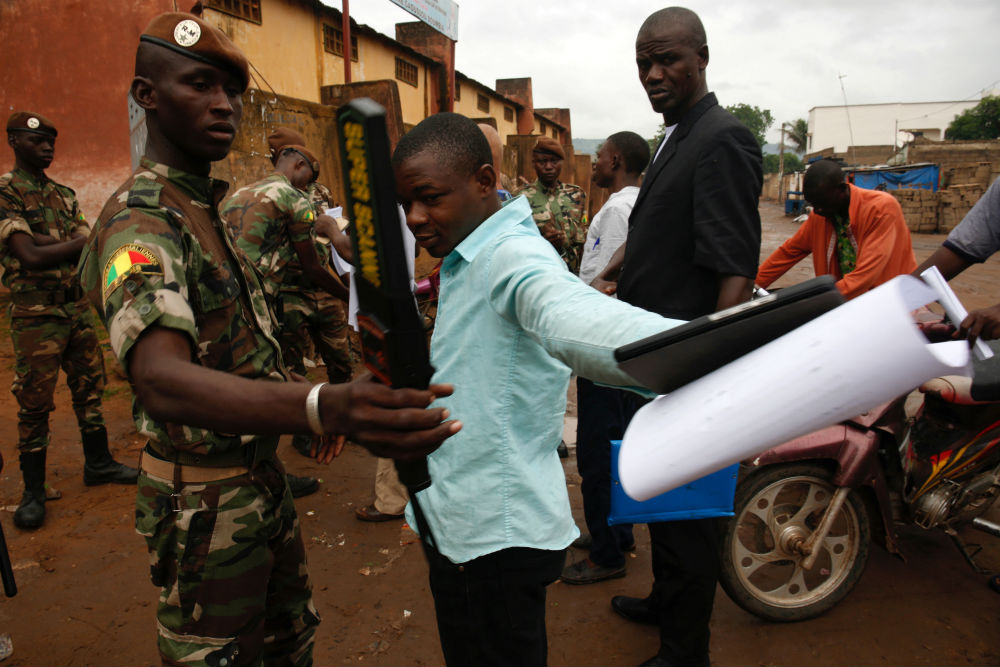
point(550, 146)
point(305, 153)
point(29, 121)
point(281, 137)
point(195, 38)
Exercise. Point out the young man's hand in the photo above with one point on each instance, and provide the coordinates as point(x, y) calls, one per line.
point(983, 323)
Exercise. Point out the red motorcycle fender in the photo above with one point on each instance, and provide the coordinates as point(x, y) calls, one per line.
point(854, 452)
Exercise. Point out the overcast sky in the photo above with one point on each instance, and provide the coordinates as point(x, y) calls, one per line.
point(781, 55)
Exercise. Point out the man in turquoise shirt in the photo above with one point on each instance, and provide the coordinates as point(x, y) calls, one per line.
point(511, 325)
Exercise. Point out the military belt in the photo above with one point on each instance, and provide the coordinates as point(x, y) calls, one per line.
point(163, 471)
point(47, 297)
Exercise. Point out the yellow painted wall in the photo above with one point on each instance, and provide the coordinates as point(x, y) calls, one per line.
point(378, 61)
point(467, 105)
point(275, 47)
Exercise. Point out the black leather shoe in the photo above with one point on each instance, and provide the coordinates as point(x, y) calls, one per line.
point(636, 610)
point(563, 450)
point(107, 472)
point(659, 661)
point(303, 444)
point(302, 486)
point(587, 571)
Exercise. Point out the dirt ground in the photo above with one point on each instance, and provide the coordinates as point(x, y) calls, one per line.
point(85, 599)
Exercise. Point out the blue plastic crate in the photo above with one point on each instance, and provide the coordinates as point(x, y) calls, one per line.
point(709, 496)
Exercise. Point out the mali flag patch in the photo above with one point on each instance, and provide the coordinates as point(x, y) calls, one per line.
point(128, 259)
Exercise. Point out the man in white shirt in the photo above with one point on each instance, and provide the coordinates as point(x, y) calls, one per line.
point(620, 162)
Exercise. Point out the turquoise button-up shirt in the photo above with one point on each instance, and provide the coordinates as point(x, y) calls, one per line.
point(511, 324)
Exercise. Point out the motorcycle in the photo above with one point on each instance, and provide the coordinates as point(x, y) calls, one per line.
point(806, 511)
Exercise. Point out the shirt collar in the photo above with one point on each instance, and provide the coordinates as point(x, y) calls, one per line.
point(553, 190)
point(28, 176)
point(512, 213)
point(204, 189)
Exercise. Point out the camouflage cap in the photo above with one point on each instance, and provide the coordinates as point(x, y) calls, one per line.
point(195, 38)
point(281, 137)
point(29, 121)
point(306, 154)
point(550, 146)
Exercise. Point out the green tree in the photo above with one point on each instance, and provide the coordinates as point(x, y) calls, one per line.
point(757, 120)
point(980, 122)
point(792, 163)
point(654, 143)
point(797, 135)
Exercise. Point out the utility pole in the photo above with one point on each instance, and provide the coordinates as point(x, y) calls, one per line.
point(345, 19)
point(850, 130)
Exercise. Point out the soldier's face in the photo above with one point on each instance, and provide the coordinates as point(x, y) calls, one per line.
point(442, 207)
point(548, 167)
point(32, 149)
point(197, 108)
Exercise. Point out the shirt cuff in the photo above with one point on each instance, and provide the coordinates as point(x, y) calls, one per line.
point(163, 307)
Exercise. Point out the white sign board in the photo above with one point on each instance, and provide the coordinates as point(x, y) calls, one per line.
point(442, 15)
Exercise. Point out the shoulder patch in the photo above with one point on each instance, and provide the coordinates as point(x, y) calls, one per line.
point(128, 259)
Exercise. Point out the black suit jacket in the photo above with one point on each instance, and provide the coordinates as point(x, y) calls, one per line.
point(695, 217)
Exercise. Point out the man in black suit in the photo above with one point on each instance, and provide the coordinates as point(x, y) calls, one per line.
point(692, 248)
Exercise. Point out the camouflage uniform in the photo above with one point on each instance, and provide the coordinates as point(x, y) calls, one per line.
point(563, 206)
point(50, 322)
point(227, 554)
point(266, 218)
point(311, 311)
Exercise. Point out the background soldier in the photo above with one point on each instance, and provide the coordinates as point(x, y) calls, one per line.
point(188, 320)
point(310, 312)
point(42, 231)
point(559, 209)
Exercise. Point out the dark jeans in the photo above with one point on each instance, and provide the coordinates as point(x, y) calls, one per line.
point(686, 564)
point(600, 419)
point(491, 610)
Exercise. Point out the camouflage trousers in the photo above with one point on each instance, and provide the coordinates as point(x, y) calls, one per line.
point(322, 318)
point(231, 567)
point(42, 345)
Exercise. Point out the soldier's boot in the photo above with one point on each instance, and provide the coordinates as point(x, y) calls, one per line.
point(99, 466)
point(31, 512)
point(303, 444)
point(302, 486)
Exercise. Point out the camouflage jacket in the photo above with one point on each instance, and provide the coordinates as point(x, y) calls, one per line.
point(563, 206)
point(37, 207)
point(159, 255)
point(320, 198)
point(266, 218)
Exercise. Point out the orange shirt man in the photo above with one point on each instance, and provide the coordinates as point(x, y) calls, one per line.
point(876, 233)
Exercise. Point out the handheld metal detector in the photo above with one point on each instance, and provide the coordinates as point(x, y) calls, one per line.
point(393, 339)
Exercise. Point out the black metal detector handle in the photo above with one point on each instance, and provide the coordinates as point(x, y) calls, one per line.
point(393, 338)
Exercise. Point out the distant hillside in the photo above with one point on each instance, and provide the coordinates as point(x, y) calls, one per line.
point(586, 146)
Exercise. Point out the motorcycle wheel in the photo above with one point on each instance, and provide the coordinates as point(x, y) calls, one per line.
point(773, 508)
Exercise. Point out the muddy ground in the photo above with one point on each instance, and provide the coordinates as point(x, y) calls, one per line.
point(85, 598)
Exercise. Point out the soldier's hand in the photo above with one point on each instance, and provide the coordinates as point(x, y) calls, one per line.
point(327, 447)
point(604, 286)
point(555, 236)
point(391, 423)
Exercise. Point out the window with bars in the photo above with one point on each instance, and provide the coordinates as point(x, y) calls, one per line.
point(406, 72)
point(508, 114)
point(244, 9)
point(483, 103)
point(333, 42)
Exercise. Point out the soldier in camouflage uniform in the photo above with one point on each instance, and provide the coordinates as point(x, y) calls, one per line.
point(309, 312)
point(188, 320)
point(42, 231)
point(559, 209)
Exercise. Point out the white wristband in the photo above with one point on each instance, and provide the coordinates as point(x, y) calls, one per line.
point(312, 409)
